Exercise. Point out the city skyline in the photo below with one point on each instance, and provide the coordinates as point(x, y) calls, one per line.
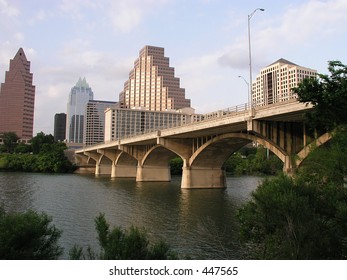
point(206, 41)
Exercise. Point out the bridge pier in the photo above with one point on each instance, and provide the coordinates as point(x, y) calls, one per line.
point(123, 171)
point(150, 173)
point(203, 178)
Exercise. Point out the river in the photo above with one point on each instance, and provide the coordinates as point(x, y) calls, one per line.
point(197, 223)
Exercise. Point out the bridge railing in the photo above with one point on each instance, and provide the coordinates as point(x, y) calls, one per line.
point(212, 116)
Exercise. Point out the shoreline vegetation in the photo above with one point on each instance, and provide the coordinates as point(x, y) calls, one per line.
point(42, 155)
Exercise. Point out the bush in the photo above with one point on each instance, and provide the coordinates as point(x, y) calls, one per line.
point(28, 236)
point(120, 244)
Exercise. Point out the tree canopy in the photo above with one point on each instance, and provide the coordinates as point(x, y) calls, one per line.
point(328, 95)
point(28, 236)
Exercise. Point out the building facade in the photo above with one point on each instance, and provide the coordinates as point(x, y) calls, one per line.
point(17, 98)
point(79, 96)
point(94, 121)
point(152, 84)
point(60, 127)
point(122, 123)
point(276, 81)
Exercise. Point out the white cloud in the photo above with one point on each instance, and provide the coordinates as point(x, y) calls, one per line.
point(304, 25)
point(125, 15)
point(8, 10)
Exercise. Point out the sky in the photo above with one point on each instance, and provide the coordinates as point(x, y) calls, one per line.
point(206, 41)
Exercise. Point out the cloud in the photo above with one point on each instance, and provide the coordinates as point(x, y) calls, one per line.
point(125, 15)
point(8, 10)
point(303, 25)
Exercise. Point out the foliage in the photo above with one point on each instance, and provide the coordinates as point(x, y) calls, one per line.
point(304, 217)
point(252, 161)
point(176, 165)
point(120, 244)
point(42, 142)
point(328, 95)
point(28, 235)
point(43, 155)
point(10, 141)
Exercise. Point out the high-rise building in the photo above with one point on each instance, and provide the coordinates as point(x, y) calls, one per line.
point(122, 123)
point(17, 98)
point(60, 127)
point(79, 96)
point(152, 84)
point(94, 121)
point(276, 81)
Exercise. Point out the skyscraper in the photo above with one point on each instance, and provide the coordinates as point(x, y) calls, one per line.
point(152, 84)
point(79, 96)
point(276, 81)
point(60, 127)
point(17, 98)
point(94, 121)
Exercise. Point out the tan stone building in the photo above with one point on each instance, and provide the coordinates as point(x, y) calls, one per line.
point(152, 84)
point(17, 98)
point(276, 81)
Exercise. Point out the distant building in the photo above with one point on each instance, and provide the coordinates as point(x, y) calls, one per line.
point(122, 123)
point(79, 96)
point(60, 127)
point(94, 121)
point(17, 98)
point(152, 84)
point(276, 81)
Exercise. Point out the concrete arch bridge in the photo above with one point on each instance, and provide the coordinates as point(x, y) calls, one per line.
point(205, 145)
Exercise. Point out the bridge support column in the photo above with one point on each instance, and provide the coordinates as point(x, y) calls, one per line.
point(203, 178)
point(153, 174)
point(97, 169)
point(288, 167)
point(123, 171)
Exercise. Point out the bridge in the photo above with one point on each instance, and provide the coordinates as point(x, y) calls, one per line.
point(205, 145)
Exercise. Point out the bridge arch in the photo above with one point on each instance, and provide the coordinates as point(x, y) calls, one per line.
point(215, 148)
point(303, 154)
point(154, 166)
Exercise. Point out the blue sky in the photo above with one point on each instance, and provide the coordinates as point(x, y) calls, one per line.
point(206, 41)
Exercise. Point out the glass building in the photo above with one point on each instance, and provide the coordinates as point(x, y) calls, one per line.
point(79, 96)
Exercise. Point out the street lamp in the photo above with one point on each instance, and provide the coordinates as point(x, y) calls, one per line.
point(247, 88)
point(250, 55)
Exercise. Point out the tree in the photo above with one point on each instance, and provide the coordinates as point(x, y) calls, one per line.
point(304, 217)
point(41, 141)
point(131, 244)
point(10, 141)
point(293, 219)
point(328, 95)
point(121, 244)
point(28, 236)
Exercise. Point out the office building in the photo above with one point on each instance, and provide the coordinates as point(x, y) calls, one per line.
point(276, 81)
point(60, 127)
point(152, 84)
point(122, 123)
point(79, 96)
point(94, 121)
point(17, 98)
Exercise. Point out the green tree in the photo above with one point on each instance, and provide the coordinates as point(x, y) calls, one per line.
point(304, 217)
point(176, 166)
point(121, 244)
point(293, 219)
point(10, 141)
point(41, 142)
point(28, 236)
point(328, 95)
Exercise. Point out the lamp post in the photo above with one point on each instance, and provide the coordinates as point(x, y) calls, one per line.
point(247, 88)
point(250, 55)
